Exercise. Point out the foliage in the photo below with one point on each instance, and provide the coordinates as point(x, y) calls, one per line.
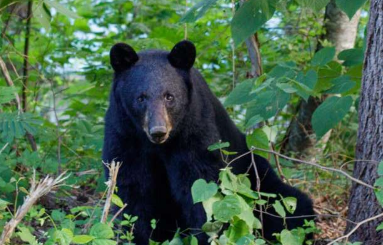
point(68, 85)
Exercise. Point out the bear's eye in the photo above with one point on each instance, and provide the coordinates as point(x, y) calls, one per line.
point(141, 98)
point(169, 97)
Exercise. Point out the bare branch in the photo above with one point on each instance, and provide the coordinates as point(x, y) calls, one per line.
point(36, 191)
point(113, 168)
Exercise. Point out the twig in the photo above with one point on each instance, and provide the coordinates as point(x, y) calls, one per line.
point(113, 168)
point(36, 191)
point(258, 188)
point(10, 83)
point(118, 213)
point(356, 227)
point(279, 168)
point(3, 148)
point(316, 165)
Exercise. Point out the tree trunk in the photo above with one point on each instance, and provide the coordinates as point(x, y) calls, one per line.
point(341, 32)
point(362, 203)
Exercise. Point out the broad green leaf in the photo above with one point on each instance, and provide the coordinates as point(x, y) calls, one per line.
point(212, 228)
point(227, 208)
point(287, 87)
point(350, 6)
point(259, 139)
point(342, 84)
point(329, 114)
point(253, 121)
point(218, 146)
point(279, 209)
point(197, 11)
point(352, 57)
point(267, 103)
point(246, 240)
point(101, 231)
point(237, 229)
point(380, 169)
point(249, 18)
point(82, 239)
point(240, 94)
point(64, 236)
point(26, 236)
point(315, 5)
point(202, 191)
point(290, 204)
point(306, 83)
point(326, 74)
point(208, 205)
point(289, 238)
point(323, 56)
point(61, 9)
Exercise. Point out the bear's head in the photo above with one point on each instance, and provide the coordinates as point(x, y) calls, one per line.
point(153, 87)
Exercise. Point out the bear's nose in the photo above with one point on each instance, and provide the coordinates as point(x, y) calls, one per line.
point(158, 131)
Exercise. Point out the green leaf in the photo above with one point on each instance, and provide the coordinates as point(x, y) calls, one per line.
point(380, 227)
point(329, 114)
point(267, 103)
point(218, 146)
point(212, 228)
point(26, 236)
point(197, 11)
point(246, 240)
point(323, 56)
point(227, 208)
point(380, 169)
point(289, 238)
point(42, 15)
point(352, 57)
point(279, 209)
point(61, 9)
point(342, 84)
point(249, 18)
point(315, 5)
point(82, 239)
point(240, 94)
point(201, 191)
point(290, 204)
point(259, 139)
point(117, 201)
point(350, 6)
point(101, 231)
point(7, 94)
point(64, 236)
point(253, 121)
point(237, 230)
point(103, 242)
point(326, 74)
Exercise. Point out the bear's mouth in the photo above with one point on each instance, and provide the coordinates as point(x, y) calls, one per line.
point(158, 139)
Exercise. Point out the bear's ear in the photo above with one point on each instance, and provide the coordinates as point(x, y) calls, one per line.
point(122, 56)
point(182, 55)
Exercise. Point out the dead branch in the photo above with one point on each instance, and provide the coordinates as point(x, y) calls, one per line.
point(113, 168)
point(316, 165)
point(37, 190)
point(356, 227)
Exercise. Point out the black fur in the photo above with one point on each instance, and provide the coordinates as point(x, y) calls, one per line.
point(155, 179)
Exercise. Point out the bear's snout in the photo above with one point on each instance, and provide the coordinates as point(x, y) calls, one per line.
point(157, 124)
point(158, 134)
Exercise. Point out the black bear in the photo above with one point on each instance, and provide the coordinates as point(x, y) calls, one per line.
point(161, 119)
